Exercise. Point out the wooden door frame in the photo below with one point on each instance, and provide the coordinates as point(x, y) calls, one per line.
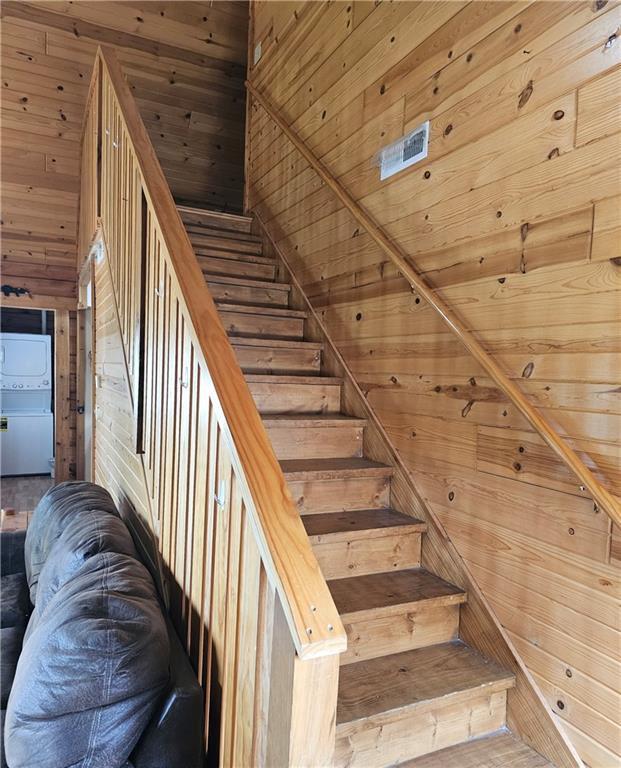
point(85, 302)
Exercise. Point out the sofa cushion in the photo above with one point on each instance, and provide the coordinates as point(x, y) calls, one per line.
point(86, 534)
point(92, 670)
point(2, 757)
point(14, 601)
point(49, 519)
point(11, 644)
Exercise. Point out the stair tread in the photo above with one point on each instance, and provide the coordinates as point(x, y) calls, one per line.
point(312, 420)
point(392, 590)
point(267, 378)
point(326, 469)
point(248, 282)
point(259, 309)
point(262, 341)
point(499, 750)
point(411, 679)
point(362, 523)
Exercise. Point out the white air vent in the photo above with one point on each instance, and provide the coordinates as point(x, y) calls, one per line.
point(406, 151)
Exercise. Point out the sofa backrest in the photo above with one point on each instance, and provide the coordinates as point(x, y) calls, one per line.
point(86, 534)
point(50, 517)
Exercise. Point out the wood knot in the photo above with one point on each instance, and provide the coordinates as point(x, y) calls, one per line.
point(526, 94)
point(553, 153)
point(559, 114)
point(448, 129)
point(528, 370)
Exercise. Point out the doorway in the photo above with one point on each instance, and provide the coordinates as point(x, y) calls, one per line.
point(27, 391)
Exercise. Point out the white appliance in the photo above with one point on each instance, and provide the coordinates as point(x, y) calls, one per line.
point(26, 418)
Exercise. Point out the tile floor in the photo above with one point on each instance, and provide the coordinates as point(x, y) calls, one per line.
point(21, 494)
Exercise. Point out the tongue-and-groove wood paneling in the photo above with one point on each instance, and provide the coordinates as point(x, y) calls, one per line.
point(186, 62)
point(515, 218)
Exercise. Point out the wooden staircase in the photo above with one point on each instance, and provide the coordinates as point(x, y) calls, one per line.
point(410, 691)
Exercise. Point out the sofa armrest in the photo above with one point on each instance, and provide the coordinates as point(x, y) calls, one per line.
point(12, 552)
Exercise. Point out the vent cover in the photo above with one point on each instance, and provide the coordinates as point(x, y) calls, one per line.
point(406, 151)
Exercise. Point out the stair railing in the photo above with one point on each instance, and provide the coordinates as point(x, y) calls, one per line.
point(587, 482)
point(246, 591)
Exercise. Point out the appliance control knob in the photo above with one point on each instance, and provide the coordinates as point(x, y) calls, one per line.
point(14, 386)
point(46, 382)
point(21, 386)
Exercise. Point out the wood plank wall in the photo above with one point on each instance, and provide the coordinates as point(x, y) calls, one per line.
point(186, 63)
point(515, 219)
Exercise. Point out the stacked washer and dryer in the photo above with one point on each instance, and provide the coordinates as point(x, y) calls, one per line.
point(26, 418)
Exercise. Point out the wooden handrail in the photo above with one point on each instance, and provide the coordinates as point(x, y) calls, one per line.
point(587, 481)
point(289, 561)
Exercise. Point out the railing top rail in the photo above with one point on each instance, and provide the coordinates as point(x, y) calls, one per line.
point(289, 561)
point(587, 481)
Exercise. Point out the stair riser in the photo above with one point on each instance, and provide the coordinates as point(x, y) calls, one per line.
point(296, 398)
point(340, 559)
point(278, 359)
point(213, 219)
point(382, 741)
point(313, 496)
point(316, 443)
point(241, 324)
point(393, 633)
point(244, 294)
point(205, 230)
point(224, 244)
point(235, 268)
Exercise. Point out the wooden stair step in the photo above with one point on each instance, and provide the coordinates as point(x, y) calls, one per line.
point(243, 291)
point(398, 707)
point(232, 221)
point(215, 265)
point(364, 596)
point(360, 524)
point(271, 322)
point(500, 750)
point(219, 241)
point(332, 485)
point(307, 436)
point(296, 394)
point(257, 309)
point(352, 543)
point(263, 355)
point(395, 611)
point(331, 469)
point(246, 258)
point(209, 230)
